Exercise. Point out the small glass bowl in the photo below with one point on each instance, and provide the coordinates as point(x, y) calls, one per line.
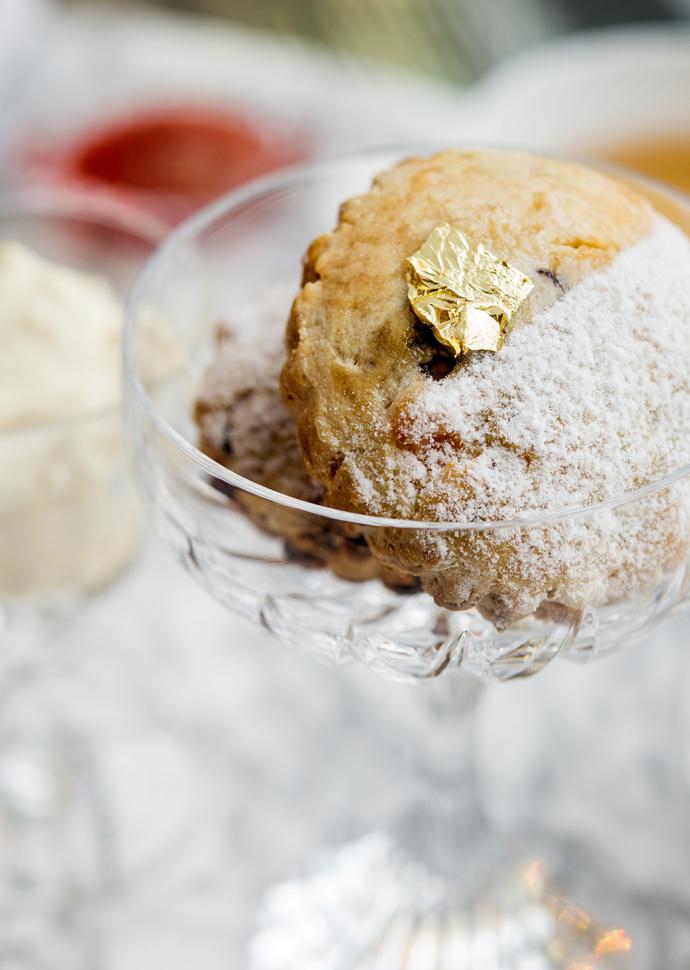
point(69, 516)
point(223, 265)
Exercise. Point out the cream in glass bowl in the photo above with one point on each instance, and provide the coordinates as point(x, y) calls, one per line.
point(69, 518)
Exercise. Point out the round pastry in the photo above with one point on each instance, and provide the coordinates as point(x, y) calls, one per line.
point(587, 399)
point(245, 426)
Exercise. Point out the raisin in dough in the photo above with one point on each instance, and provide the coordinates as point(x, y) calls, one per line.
point(589, 397)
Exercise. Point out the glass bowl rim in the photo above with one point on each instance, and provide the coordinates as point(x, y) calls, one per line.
point(89, 209)
point(292, 176)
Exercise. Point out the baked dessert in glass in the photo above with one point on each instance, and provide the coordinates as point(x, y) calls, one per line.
point(485, 373)
point(586, 399)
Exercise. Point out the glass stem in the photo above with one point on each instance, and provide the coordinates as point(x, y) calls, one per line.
point(446, 828)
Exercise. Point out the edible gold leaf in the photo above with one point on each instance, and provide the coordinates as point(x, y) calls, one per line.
point(463, 292)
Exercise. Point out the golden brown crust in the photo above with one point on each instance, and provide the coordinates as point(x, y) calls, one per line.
point(244, 426)
point(556, 221)
point(358, 362)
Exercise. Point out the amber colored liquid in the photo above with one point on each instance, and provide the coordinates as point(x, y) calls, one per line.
point(664, 158)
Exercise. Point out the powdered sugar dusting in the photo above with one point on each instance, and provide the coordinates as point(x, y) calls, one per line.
point(239, 409)
point(589, 400)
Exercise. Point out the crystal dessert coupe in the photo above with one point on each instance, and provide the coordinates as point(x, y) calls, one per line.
point(434, 890)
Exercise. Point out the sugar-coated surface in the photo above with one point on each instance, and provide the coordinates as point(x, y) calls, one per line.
point(244, 425)
point(589, 399)
point(569, 429)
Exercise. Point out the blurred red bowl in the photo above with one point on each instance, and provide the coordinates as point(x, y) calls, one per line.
point(167, 161)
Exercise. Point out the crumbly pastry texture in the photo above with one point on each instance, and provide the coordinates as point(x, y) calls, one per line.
point(245, 426)
point(588, 399)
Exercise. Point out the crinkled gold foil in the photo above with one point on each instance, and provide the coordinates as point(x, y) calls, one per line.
point(465, 293)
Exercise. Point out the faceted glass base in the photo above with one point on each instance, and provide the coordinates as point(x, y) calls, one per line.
point(370, 907)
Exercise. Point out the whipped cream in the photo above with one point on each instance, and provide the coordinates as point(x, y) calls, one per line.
point(69, 518)
point(60, 335)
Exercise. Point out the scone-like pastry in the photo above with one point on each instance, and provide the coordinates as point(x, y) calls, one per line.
point(589, 397)
point(245, 426)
